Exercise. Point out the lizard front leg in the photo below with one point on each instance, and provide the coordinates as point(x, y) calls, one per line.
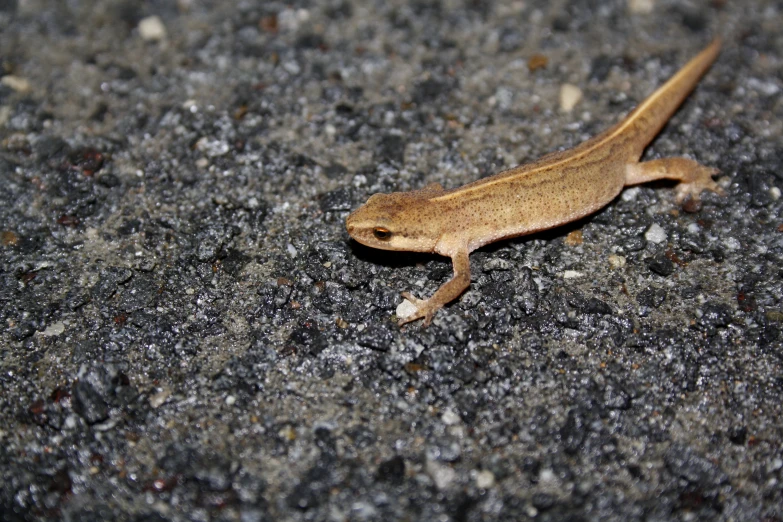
point(426, 308)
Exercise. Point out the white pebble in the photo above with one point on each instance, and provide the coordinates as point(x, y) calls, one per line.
point(16, 83)
point(572, 274)
point(54, 329)
point(732, 243)
point(569, 96)
point(630, 194)
point(774, 192)
point(485, 479)
point(616, 261)
point(641, 6)
point(450, 418)
point(158, 399)
point(655, 234)
point(441, 474)
point(405, 309)
point(152, 29)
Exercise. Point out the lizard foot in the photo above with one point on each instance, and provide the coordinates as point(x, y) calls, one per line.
point(698, 180)
point(424, 310)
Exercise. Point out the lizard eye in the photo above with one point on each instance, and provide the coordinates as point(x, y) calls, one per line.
point(382, 234)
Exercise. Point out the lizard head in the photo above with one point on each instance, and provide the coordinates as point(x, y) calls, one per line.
point(396, 221)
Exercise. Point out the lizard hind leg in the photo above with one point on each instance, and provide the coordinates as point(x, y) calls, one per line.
point(693, 176)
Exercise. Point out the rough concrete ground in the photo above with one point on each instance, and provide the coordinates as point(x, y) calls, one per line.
point(189, 334)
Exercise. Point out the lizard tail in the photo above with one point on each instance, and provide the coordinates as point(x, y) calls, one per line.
point(652, 114)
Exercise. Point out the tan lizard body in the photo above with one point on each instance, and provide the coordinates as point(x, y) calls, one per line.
point(557, 189)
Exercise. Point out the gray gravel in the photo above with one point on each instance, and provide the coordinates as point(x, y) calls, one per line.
point(189, 334)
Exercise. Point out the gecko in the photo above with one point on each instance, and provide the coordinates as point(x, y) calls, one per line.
point(558, 188)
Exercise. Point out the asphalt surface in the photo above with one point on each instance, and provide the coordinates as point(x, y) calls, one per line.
point(188, 333)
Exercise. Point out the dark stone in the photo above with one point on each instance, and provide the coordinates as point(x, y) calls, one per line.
point(129, 227)
point(715, 315)
point(633, 244)
point(718, 255)
point(376, 337)
point(615, 397)
point(178, 459)
point(561, 24)
point(573, 432)
point(510, 39)
point(596, 306)
point(543, 501)
point(108, 180)
point(335, 171)
point(22, 331)
point(527, 291)
point(234, 262)
point(110, 278)
point(759, 188)
point(738, 435)
point(139, 293)
point(391, 148)
point(392, 470)
point(89, 403)
point(309, 338)
point(652, 297)
point(213, 471)
point(430, 89)
point(694, 21)
point(210, 241)
point(340, 10)
point(661, 265)
point(385, 298)
point(50, 147)
point(593, 305)
point(310, 41)
point(9, 6)
point(337, 200)
point(325, 441)
point(600, 68)
point(314, 487)
point(273, 297)
point(333, 298)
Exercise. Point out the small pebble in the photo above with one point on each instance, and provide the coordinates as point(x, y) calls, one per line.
point(405, 309)
point(569, 96)
point(16, 83)
point(574, 238)
point(485, 479)
point(630, 194)
point(655, 234)
point(732, 243)
point(616, 261)
point(157, 400)
point(450, 418)
point(54, 329)
point(641, 6)
point(537, 61)
point(151, 29)
point(442, 474)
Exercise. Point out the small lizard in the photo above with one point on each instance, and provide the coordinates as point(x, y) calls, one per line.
point(557, 189)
